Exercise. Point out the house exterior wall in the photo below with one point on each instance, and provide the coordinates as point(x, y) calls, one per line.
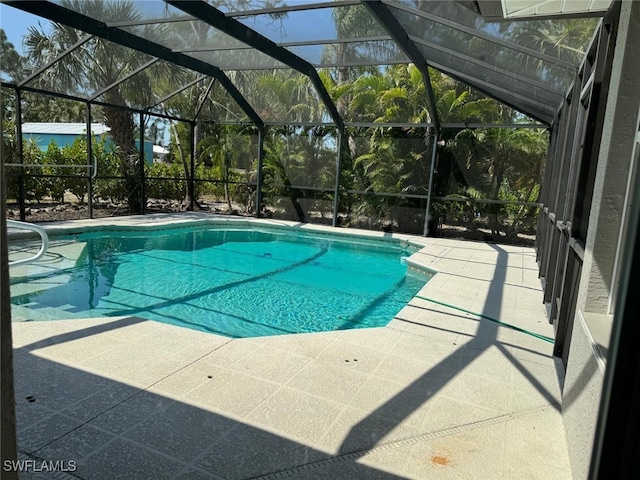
point(581, 397)
point(43, 140)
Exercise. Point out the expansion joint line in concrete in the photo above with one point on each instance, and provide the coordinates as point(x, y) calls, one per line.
point(131, 396)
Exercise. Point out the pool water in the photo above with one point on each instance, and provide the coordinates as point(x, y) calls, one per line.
point(238, 283)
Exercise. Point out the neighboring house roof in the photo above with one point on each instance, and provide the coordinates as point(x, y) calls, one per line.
point(52, 128)
point(160, 150)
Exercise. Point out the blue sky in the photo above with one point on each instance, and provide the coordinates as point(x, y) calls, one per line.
point(15, 23)
point(301, 26)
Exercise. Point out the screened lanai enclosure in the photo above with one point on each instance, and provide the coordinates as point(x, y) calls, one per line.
point(502, 121)
point(420, 117)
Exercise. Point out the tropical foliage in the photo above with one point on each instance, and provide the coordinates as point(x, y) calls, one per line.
point(99, 66)
point(384, 172)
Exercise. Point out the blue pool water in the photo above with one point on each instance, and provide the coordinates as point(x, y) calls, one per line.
point(238, 283)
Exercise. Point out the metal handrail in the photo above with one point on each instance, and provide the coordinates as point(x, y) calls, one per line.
point(45, 165)
point(33, 228)
point(93, 166)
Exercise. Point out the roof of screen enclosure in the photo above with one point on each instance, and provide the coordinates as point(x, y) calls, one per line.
point(223, 46)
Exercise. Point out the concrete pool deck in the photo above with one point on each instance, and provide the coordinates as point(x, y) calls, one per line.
point(436, 394)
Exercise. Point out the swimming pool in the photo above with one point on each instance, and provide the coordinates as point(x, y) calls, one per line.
point(230, 281)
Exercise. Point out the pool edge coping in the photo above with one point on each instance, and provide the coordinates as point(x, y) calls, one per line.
point(169, 220)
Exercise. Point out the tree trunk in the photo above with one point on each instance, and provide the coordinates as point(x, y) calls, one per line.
point(494, 208)
point(123, 134)
point(198, 135)
point(186, 168)
point(227, 197)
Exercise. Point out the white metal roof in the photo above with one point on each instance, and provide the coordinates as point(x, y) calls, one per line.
point(160, 150)
point(53, 128)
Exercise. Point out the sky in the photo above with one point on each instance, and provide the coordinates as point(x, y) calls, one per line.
point(301, 26)
point(15, 23)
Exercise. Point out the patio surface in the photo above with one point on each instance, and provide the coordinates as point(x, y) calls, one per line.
point(436, 394)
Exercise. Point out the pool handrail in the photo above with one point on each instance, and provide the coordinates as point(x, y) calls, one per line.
point(33, 228)
point(93, 167)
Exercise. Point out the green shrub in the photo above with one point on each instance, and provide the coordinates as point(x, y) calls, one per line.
point(165, 181)
point(108, 165)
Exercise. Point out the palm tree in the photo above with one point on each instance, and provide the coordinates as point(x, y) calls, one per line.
point(207, 100)
point(472, 163)
point(458, 103)
point(565, 38)
point(351, 21)
point(508, 163)
point(276, 171)
point(97, 64)
point(396, 159)
point(287, 96)
point(227, 149)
